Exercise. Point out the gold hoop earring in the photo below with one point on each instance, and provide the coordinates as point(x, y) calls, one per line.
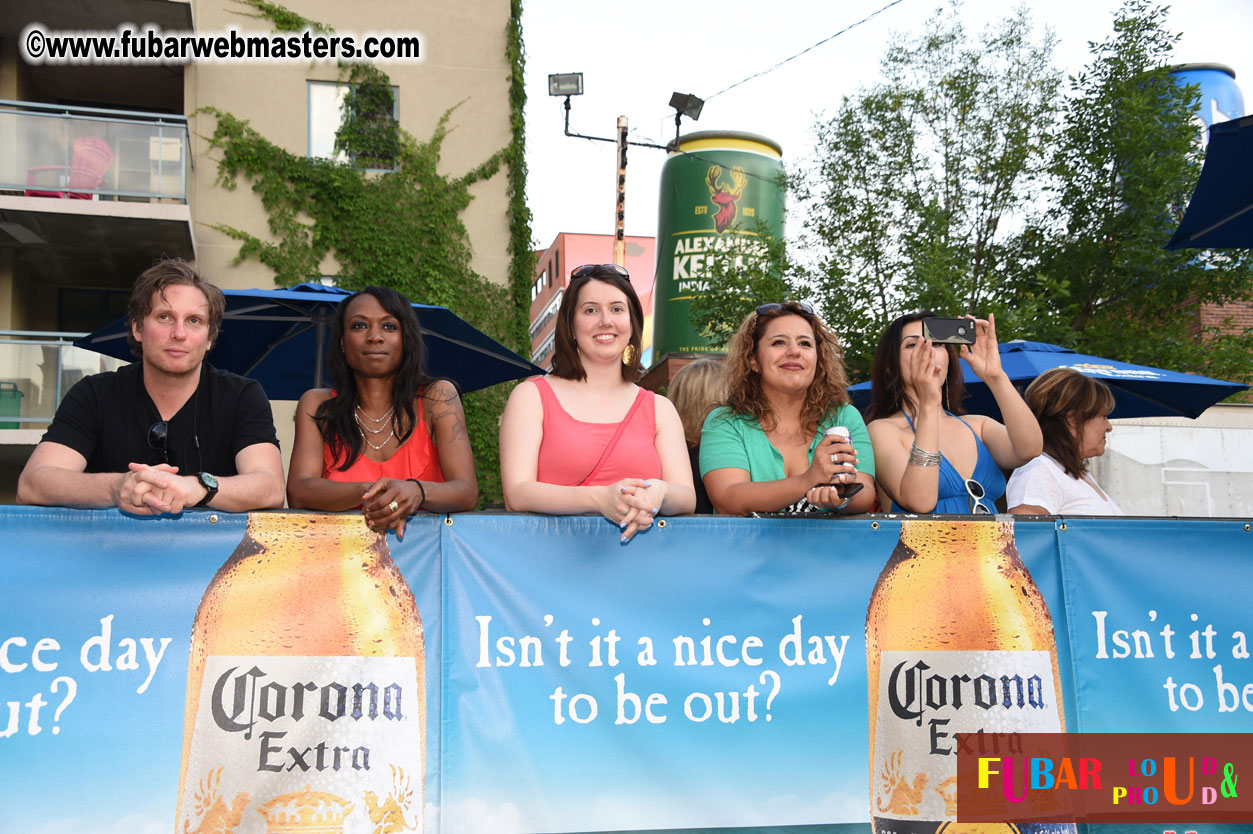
point(628, 355)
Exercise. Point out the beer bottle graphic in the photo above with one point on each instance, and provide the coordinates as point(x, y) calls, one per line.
point(958, 639)
point(306, 686)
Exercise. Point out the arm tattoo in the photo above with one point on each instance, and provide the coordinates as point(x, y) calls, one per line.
point(446, 405)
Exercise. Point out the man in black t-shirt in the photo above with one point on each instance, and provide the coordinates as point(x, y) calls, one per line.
point(169, 431)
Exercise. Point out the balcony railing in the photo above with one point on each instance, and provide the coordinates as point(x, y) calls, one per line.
point(36, 369)
point(88, 153)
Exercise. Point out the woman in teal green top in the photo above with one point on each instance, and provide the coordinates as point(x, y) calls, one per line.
point(768, 449)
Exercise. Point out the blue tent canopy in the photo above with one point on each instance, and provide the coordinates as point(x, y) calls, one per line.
point(1139, 391)
point(280, 338)
point(1220, 213)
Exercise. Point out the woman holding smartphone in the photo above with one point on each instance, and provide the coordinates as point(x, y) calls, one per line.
point(932, 457)
point(775, 446)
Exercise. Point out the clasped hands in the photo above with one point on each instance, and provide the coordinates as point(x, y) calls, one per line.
point(388, 502)
point(632, 503)
point(153, 490)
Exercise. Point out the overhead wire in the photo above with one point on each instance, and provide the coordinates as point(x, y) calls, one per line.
point(769, 70)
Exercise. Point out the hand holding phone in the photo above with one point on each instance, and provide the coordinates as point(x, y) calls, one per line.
point(943, 331)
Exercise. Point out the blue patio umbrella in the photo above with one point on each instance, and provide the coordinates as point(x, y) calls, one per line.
point(280, 337)
point(1220, 213)
point(1139, 391)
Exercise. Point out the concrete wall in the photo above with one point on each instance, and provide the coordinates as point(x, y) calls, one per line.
point(1179, 467)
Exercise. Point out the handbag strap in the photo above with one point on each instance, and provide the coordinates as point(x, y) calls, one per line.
point(613, 441)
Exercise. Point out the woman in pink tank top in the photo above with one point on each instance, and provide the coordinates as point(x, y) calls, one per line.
point(587, 438)
point(388, 439)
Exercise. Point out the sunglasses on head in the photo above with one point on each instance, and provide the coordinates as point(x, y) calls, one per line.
point(592, 269)
point(158, 434)
point(975, 490)
point(775, 306)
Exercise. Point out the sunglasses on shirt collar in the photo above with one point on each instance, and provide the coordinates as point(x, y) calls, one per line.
point(976, 492)
point(158, 438)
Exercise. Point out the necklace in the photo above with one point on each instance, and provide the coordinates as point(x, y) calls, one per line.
point(364, 428)
point(390, 435)
point(363, 412)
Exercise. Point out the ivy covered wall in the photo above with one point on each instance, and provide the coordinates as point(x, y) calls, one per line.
point(401, 227)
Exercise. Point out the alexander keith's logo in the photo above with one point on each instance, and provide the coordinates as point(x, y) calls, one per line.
point(723, 196)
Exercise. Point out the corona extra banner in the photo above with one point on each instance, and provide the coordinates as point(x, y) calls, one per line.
point(719, 192)
point(507, 673)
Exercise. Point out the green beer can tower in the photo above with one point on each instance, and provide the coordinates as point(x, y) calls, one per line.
point(718, 189)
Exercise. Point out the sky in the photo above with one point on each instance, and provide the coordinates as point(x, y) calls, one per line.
point(633, 56)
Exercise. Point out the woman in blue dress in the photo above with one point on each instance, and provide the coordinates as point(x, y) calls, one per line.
point(931, 457)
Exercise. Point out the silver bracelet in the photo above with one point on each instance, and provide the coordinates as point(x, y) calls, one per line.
point(921, 457)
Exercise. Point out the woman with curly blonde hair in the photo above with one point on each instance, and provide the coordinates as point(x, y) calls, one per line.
point(696, 390)
point(770, 448)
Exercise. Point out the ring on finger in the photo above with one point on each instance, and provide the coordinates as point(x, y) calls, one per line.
point(393, 506)
point(833, 457)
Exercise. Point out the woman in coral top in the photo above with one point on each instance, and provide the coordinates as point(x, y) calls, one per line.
point(388, 439)
point(586, 438)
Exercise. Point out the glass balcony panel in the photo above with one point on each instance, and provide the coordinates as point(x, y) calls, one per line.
point(36, 370)
point(82, 153)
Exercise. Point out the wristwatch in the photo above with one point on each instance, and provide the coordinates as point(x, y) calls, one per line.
point(210, 484)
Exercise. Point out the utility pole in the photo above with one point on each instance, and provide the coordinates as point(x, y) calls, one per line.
point(619, 239)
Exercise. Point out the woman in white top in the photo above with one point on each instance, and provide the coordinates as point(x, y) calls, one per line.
point(1072, 411)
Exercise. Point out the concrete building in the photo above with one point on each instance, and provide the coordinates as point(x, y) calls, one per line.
point(70, 249)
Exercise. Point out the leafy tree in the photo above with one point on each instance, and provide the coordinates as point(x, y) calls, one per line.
point(964, 182)
point(922, 182)
point(1125, 163)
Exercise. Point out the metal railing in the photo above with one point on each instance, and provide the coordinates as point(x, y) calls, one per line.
point(91, 153)
point(37, 367)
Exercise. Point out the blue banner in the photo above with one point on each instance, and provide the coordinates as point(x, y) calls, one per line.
point(711, 674)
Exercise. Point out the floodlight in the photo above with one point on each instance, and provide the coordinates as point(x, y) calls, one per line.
point(687, 104)
point(565, 84)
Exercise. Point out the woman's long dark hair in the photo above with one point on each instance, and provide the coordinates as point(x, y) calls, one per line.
point(334, 417)
point(566, 361)
point(887, 389)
